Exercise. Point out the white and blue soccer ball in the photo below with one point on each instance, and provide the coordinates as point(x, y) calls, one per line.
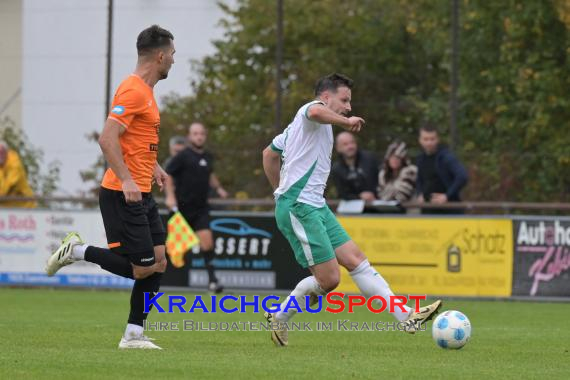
point(451, 329)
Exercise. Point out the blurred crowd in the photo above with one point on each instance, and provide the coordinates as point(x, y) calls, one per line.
point(436, 176)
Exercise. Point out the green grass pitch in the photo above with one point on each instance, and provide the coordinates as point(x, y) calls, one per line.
point(60, 334)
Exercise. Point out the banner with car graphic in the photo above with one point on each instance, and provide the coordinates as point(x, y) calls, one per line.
point(465, 256)
point(250, 253)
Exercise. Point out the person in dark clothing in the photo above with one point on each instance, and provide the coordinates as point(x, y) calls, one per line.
point(176, 144)
point(191, 179)
point(441, 176)
point(355, 173)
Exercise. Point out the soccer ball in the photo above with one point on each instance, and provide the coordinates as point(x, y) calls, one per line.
point(451, 329)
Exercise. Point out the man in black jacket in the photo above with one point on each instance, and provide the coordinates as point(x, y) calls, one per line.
point(355, 173)
point(441, 176)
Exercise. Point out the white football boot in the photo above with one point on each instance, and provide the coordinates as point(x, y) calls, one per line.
point(141, 342)
point(63, 256)
point(417, 319)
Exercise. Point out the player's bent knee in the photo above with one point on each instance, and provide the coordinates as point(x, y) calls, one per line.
point(332, 284)
point(140, 273)
point(329, 286)
point(329, 281)
point(352, 261)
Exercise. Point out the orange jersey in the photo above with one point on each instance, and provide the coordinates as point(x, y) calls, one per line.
point(135, 108)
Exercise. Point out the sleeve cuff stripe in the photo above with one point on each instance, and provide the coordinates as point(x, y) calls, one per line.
point(275, 149)
point(118, 121)
point(309, 106)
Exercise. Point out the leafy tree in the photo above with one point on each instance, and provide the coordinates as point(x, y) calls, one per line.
point(374, 42)
point(516, 107)
point(514, 72)
point(93, 175)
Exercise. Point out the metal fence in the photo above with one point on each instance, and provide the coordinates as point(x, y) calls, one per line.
point(264, 204)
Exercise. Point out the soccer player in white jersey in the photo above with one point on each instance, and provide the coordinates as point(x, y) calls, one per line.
point(319, 242)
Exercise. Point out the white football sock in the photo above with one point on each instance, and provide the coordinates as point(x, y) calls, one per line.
point(133, 331)
point(371, 283)
point(78, 251)
point(306, 287)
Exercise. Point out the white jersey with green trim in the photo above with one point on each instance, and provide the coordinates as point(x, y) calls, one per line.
point(306, 149)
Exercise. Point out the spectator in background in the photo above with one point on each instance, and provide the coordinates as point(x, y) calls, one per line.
point(355, 173)
point(176, 144)
point(187, 189)
point(397, 179)
point(441, 176)
point(13, 178)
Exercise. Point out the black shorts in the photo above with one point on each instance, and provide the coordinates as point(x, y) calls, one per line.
point(198, 219)
point(132, 229)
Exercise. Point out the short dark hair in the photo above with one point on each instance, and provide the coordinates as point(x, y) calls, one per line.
point(332, 82)
point(428, 127)
point(177, 140)
point(152, 38)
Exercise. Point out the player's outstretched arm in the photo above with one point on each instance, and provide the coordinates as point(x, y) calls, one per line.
point(111, 147)
point(324, 115)
point(271, 166)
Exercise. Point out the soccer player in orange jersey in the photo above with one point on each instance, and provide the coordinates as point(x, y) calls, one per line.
point(129, 142)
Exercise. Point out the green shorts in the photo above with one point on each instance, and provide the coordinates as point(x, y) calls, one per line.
point(313, 233)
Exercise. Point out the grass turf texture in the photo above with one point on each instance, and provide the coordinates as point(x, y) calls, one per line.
point(56, 333)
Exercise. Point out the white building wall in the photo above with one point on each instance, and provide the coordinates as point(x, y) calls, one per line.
point(11, 61)
point(64, 47)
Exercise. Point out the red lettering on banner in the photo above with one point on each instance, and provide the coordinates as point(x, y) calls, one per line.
point(335, 302)
point(359, 300)
point(393, 303)
point(352, 303)
point(371, 301)
point(27, 223)
point(417, 300)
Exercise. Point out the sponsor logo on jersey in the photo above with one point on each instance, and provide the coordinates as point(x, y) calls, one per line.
point(118, 110)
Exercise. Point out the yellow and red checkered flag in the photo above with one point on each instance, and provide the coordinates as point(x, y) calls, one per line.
point(181, 238)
